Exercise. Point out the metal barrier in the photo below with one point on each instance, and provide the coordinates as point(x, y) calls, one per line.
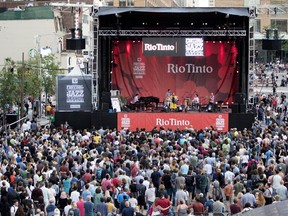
point(16, 122)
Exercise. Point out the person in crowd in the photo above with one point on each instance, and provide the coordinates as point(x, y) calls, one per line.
point(197, 206)
point(182, 208)
point(89, 207)
point(235, 207)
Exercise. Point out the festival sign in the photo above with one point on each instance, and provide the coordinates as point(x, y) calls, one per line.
point(74, 93)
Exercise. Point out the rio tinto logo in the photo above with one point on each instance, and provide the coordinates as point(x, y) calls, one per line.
point(172, 122)
point(159, 47)
point(220, 122)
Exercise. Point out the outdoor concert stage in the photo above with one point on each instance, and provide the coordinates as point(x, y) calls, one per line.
point(149, 50)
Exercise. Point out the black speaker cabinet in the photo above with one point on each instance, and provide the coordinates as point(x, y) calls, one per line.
point(235, 108)
point(75, 44)
point(242, 108)
point(106, 97)
point(105, 107)
point(268, 44)
point(240, 98)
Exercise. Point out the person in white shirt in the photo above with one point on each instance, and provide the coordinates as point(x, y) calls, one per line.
point(45, 192)
point(14, 208)
point(75, 195)
point(67, 207)
point(276, 180)
point(229, 175)
point(150, 195)
point(146, 183)
point(133, 201)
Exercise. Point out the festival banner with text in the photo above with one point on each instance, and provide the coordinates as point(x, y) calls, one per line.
point(139, 68)
point(148, 121)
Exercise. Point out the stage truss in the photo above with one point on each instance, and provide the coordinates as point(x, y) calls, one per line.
point(173, 32)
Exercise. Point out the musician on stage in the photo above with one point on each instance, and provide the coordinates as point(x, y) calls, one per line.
point(196, 102)
point(173, 103)
point(211, 104)
point(136, 98)
point(135, 104)
point(168, 97)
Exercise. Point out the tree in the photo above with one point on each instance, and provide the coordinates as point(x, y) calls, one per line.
point(8, 86)
point(33, 80)
point(50, 70)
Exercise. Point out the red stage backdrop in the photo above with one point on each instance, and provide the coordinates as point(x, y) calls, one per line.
point(152, 75)
point(172, 120)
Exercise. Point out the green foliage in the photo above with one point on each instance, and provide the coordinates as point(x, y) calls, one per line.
point(29, 79)
point(33, 81)
point(8, 84)
point(50, 70)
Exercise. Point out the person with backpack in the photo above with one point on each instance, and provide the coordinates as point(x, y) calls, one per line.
point(141, 189)
point(173, 184)
point(202, 182)
point(269, 194)
point(14, 208)
point(217, 191)
point(190, 184)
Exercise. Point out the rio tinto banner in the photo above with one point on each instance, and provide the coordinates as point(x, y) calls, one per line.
point(160, 46)
point(148, 121)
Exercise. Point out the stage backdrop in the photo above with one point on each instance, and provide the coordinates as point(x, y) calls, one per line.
point(140, 68)
point(172, 120)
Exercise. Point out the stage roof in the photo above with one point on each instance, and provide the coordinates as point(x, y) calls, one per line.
point(117, 10)
point(126, 18)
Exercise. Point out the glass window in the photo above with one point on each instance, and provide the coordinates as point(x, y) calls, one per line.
point(281, 25)
point(277, 1)
point(122, 3)
point(257, 25)
point(109, 2)
point(85, 19)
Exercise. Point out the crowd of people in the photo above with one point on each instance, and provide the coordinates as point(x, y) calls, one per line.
point(105, 172)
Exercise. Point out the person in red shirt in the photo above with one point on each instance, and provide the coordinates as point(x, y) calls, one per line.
point(228, 191)
point(87, 176)
point(198, 207)
point(164, 203)
point(116, 181)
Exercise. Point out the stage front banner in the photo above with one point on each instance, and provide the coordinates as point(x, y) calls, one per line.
point(148, 121)
point(216, 71)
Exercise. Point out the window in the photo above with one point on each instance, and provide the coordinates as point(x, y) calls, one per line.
point(281, 25)
point(85, 19)
point(278, 1)
point(122, 3)
point(109, 2)
point(130, 3)
point(257, 25)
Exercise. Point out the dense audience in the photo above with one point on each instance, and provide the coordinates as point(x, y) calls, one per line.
point(105, 172)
